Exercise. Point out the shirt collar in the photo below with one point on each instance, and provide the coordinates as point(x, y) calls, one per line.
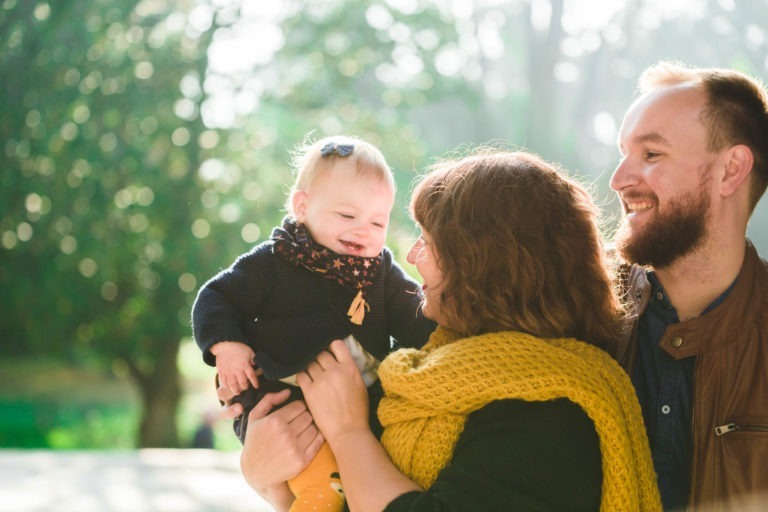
point(660, 298)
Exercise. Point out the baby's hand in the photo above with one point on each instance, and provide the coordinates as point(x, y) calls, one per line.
point(234, 363)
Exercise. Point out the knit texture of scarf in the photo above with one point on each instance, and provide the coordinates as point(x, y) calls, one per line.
point(356, 273)
point(430, 392)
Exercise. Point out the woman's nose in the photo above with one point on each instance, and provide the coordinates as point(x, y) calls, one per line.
point(415, 248)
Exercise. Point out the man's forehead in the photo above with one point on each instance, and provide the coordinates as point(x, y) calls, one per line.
point(655, 110)
point(679, 96)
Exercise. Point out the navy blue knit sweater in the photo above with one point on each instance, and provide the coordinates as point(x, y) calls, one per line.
point(288, 314)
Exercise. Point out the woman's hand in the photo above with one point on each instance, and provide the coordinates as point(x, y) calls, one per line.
point(336, 395)
point(279, 444)
point(335, 392)
point(231, 410)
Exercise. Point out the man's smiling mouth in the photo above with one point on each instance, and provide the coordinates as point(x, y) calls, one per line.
point(633, 207)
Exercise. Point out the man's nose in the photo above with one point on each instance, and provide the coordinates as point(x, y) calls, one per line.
point(623, 176)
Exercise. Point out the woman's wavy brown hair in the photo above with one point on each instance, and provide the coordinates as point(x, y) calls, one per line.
point(518, 245)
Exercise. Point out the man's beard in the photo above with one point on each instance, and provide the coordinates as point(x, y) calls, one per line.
point(671, 235)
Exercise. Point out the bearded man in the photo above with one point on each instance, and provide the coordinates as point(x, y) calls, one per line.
point(694, 164)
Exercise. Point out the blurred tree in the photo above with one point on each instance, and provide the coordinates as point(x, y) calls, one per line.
point(119, 200)
point(320, 68)
point(146, 143)
point(98, 193)
point(608, 57)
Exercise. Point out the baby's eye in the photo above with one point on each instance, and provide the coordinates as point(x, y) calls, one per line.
point(346, 216)
point(378, 224)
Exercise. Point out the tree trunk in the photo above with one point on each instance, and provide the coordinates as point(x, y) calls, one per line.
point(543, 126)
point(161, 394)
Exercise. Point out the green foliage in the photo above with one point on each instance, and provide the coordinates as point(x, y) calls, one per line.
point(47, 404)
point(88, 150)
point(43, 424)
point(123, 187)
point(99, 187)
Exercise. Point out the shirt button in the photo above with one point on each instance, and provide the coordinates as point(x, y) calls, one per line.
point(665, 409)
point(659, 296)
point(677, 342)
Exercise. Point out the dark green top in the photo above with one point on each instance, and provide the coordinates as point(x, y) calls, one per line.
point(515, 456)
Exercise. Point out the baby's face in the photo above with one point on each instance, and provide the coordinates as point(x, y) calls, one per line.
point(346, 212)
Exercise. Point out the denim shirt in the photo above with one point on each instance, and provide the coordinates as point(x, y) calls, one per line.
point(664, 387)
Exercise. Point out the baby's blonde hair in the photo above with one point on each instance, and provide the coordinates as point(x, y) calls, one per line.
point(309, 163)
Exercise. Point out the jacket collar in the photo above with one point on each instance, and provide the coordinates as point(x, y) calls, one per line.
point(717, 328)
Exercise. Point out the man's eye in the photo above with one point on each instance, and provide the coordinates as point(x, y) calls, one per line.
point(650, 155)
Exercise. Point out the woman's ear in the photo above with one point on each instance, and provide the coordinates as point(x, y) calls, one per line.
point(299, 204)
point(737, 168)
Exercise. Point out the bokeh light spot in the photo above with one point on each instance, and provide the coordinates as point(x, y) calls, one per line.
point(201, 228)
point(187, 282)
point(88, 267)
point(109, 291)
point(250, 233)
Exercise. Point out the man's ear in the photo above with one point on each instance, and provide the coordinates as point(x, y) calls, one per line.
point(299, 204)
point(737, 168)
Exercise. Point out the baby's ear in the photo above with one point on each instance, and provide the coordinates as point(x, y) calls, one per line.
point(299, 204)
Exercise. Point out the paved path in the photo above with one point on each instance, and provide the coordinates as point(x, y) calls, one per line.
point(136, 481)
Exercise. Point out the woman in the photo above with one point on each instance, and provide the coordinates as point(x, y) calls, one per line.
point(503, 409)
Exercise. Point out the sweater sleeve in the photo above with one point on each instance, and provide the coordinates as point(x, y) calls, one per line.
point(407, 324)
point(516, 455)
point(230, 300)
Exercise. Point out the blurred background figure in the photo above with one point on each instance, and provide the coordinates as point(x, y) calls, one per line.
point(203, 436)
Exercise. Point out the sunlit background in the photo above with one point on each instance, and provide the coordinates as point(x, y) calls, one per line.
point(145, 144)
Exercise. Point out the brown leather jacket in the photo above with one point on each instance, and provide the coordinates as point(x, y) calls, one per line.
point(730, 404)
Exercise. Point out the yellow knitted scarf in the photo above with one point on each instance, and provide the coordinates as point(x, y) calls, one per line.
point(430, 392)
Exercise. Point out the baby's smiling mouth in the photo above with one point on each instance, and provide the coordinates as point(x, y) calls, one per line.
point(353, 247)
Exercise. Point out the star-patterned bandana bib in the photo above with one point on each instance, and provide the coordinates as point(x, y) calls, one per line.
point(356, 273)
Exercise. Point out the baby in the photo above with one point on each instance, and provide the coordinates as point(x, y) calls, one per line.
point(323, 275)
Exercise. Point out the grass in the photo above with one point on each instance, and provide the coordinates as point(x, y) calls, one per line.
point(47, 404)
